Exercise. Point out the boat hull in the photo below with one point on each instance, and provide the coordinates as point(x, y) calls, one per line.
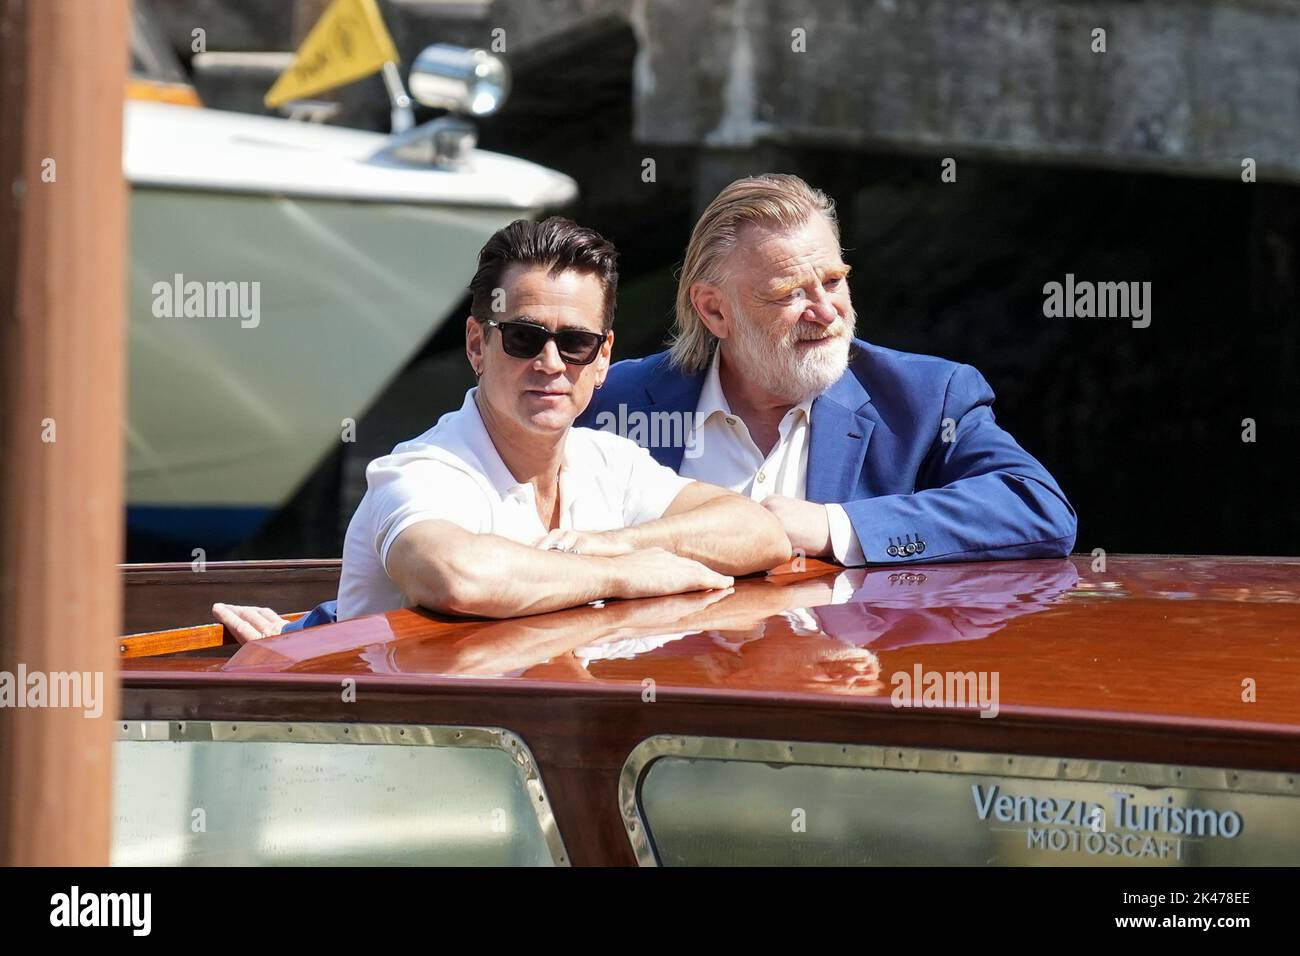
point(229, 413)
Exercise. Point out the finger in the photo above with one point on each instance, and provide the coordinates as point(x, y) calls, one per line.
point(224, 614)
point(257, 619)
point(274, 618)
point(233, 620)
point(232, 616)
point(271, 622)
point(553, 540)
point(253, 618)
point(566, 541)
point(558, 540)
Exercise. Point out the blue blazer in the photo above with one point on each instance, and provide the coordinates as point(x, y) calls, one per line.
point(906, 443)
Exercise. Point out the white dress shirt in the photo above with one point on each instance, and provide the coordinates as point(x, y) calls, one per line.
point(725, 454)
point(454, 473)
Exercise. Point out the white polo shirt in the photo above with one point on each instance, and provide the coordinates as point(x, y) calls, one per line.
point(729, 457)
point(453, 473)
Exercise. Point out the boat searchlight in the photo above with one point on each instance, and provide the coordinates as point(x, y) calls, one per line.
point(465, 83)
point(472, 82)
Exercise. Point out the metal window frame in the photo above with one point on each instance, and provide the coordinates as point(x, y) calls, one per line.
point(364, 734)
point(872, 757)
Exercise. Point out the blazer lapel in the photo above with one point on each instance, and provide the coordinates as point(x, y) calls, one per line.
point(838, 443)
point(672, 390)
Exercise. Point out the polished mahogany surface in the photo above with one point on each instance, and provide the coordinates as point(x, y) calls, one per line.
point(1208, 640)
point(156, 596)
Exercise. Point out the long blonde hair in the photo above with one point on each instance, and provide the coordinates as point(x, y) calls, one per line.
point(773, 199)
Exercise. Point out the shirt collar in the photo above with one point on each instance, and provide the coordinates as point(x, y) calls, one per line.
point(577, 476)
point(713, 400)
point(480, 442)
point(805, 407)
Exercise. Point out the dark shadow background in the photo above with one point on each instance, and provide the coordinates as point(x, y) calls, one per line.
point(1142, 427)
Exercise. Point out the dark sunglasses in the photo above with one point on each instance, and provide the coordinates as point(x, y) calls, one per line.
point(525, 340)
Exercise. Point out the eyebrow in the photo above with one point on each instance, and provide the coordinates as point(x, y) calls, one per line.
point(529, 320)
point(840, 271)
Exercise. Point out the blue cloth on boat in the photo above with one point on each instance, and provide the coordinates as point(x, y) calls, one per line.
point(326, 613)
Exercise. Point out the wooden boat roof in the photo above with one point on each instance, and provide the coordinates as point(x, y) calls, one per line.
point(1212, 641)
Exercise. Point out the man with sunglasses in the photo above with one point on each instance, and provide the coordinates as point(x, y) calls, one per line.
point(502, 508)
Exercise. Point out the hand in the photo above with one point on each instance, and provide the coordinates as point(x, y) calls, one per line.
point(655, 572)
point(248, 623)
point(598, 544)
point(805, 524)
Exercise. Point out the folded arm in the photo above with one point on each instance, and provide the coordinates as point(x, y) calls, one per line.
point(723, 530)
point(443, 567)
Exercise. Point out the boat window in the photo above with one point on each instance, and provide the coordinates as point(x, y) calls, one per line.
point(714, 802)
point(259, 793)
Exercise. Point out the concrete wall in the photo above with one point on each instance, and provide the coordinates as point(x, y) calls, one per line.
point(1183, 86)
point(1191, 86)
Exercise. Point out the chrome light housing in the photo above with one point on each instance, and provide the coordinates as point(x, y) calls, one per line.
point(472, 82)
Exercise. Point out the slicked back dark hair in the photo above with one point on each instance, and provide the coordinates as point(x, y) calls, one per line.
point(557, 244)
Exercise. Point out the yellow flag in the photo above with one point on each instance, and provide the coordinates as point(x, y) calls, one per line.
point(347, 43)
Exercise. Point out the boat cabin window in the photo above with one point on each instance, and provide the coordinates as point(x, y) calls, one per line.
point(308, 794)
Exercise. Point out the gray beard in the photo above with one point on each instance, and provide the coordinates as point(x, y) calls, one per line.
point(779, 370)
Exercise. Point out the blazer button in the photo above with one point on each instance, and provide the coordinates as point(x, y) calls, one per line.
point(920, 547)
point(910, 548)
point(891, 551)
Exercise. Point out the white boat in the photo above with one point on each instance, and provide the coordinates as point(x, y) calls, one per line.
point(348, 255)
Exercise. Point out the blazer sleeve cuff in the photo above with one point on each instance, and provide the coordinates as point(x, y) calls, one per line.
point(892, 528)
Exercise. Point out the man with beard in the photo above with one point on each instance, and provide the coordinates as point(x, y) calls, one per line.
point(864, 453)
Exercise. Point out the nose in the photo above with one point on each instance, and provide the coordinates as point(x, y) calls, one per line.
point(820, 309)
point(548, 360)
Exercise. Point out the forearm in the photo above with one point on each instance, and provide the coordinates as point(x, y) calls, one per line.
point(488, 576)
point(730, 534)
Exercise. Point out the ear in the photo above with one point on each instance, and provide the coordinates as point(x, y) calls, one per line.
point(606, 350)
point(709, 302)
point(474, 344)
point(601, 365)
